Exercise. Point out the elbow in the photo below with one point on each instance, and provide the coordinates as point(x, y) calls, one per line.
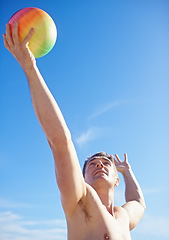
point(143, 204)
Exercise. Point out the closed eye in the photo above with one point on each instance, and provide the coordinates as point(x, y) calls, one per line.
point(91, 164)
point(106, 163)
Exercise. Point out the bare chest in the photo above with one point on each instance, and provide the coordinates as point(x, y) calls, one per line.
point(103, 226)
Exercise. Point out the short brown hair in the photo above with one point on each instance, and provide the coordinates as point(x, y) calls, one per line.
point(99, 154)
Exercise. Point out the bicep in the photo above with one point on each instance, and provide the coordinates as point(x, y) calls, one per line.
point(135, 212)
point(69, 176)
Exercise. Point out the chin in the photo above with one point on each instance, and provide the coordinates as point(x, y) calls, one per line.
point(101, 181)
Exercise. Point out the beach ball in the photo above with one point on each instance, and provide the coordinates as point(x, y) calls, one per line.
point(45, 32)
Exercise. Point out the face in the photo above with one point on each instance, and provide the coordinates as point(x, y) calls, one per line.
point(100, 170)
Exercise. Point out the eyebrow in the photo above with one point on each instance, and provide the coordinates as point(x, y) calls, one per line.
point(94, 158)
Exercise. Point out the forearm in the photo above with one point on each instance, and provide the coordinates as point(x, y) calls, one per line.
point(132, 188)
point(46, 108)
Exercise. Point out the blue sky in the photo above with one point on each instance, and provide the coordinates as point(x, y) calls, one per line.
point(109, 72)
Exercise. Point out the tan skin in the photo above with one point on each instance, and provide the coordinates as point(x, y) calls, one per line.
point(88, 203)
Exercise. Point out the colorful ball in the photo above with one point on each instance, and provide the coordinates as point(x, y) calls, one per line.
point(45, 32)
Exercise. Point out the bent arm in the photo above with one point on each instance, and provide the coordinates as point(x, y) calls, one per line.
point(68, 172)
point(135, 204)
point(133, 191)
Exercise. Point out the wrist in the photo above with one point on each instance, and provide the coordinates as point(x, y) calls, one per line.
point(127, 171)
point(29, 66)
point(26, 60)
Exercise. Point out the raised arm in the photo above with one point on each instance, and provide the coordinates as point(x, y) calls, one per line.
point(68, 172)
point(135, 204)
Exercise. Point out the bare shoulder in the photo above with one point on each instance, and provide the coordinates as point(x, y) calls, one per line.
point(119, 210)
point(121, 214)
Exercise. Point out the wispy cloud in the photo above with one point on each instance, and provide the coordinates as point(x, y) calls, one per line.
point(14, 227)
point(154, 190)
point(106, 107)
point(10, 204)
point(154, 226)
point(91, 134)
point(94, 132)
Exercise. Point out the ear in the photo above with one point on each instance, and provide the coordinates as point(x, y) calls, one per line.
point(116, 181)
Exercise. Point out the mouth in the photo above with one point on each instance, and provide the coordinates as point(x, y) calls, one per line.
point(100, 172)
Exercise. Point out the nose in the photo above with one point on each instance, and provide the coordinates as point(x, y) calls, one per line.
point(99, 164)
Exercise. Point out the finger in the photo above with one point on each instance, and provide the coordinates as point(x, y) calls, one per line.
point(125, 157)
point(112, 157)
point(15, 33)
point(9, 35)
point(6, 43)
point(28, 37)
point(118, 159)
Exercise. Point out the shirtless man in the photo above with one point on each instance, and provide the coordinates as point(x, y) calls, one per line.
point(88, 201)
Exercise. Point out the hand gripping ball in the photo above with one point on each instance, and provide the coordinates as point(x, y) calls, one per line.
point(45, 32)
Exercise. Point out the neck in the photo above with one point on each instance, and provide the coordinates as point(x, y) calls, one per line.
point(107, 198)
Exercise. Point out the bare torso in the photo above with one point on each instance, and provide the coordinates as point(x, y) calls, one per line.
point(91, 221)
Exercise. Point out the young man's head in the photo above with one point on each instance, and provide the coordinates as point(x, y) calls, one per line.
point(100, 166)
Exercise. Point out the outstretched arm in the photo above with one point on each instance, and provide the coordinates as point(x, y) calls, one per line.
point(68, 172)
point(135, 204)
